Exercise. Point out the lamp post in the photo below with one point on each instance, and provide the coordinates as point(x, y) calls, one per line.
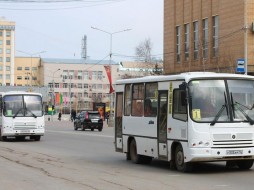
point(31, 57)
point(110, 57)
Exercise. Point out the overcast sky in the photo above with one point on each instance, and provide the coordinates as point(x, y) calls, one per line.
point(58, 28)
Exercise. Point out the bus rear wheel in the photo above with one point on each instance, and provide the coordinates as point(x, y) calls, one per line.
point(133, 153)
point(179, 160)
point(244, 164)
point(36, 137)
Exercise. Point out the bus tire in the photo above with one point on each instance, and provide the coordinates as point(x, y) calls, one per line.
point(36, 137)
point(179, 160)
point(135, 158)
point(3, 138)
point(244, 164)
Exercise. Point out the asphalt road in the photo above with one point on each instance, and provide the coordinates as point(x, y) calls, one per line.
point(65, 159)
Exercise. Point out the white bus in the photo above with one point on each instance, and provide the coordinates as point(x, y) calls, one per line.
point(186, 118)
point(21, 115)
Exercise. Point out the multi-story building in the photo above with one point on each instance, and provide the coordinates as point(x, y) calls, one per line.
point(214, 35)
point(7, 47)
point(78, 82)
point(27, 71)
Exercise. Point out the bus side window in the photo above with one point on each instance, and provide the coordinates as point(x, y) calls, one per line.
point(179, 105)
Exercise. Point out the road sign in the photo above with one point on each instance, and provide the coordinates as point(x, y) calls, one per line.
point(240, 65)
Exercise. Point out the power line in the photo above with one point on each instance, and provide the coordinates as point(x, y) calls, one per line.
point(84, 4)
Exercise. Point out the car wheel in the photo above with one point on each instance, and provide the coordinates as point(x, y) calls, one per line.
point(100, 129)
point(75, 127)
point(92, 129)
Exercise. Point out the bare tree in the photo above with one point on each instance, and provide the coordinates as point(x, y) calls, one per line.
point(143, 51)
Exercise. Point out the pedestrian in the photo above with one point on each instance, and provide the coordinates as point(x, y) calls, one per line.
point(59, 116)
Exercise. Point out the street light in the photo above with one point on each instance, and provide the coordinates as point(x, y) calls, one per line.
point(110, 55)
point(31, 56)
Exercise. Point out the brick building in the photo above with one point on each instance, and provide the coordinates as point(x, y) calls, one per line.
point(208, 35)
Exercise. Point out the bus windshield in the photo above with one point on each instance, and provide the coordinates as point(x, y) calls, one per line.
point(22, 106)
point(222, 100)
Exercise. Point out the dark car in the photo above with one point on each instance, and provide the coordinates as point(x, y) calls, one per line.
point(88, 120)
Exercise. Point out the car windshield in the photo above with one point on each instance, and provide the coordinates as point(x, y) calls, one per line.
point(211, 101)
point(22, 106)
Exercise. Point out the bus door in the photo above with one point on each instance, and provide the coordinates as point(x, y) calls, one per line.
point(162, 124)
point(118, 122)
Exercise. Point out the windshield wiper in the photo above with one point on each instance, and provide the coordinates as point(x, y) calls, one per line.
point(244, 105)
point(217, 116)
point(31, 113)
point(244, 113)
point(15, 115)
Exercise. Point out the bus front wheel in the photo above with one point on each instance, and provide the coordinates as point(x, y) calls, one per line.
point(244, 164)
point(179, 160)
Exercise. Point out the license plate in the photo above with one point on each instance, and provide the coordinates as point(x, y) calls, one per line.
point(232, 152)
point(94, 120)
point(24, 131)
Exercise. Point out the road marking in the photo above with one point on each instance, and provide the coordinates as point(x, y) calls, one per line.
point(86, 134)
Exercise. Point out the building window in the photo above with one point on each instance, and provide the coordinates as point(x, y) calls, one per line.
point(79, 75)
point(19, 77)
point(26, 77)
point(178, 44)
point(99, 86)
point(56, 85)
point(99, 75)
point(27, 68)
point(1, 67)
point(94, 75)
point(79, 95)
point(187, 41)
point(50, 85)
point(215, 36)
point(86, 76)
point(34, 68)
point(80, 85)
point(65, 85)
point(8, 51)
point(8, 76)
point(8, 33)
point(71, 74)
point(85, 95)
point(1, 76)
point(93, 86)
point(1, 33)
point(65, 74)
point(1, 42)
point(19, 68)
point(8, 59)
point(34, 78)
point(8, 42)
point(195, 40)
point(8, 68)
point(205, 38)
point(1, 59)
point(85, 86)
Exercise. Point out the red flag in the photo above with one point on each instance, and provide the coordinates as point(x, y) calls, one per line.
point(107, 68)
